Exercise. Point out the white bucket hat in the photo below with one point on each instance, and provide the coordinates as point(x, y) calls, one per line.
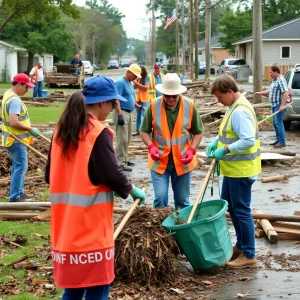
point(171, 85)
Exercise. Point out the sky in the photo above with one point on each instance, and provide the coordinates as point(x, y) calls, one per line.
point(136, 22)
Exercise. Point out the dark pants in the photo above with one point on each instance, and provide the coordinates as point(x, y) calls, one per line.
point(99, 292)
point(37, 91)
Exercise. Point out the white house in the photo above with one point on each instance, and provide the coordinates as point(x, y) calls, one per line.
point(46, 59)
point(9, 60)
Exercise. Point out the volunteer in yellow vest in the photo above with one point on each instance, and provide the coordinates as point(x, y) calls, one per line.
point(15, 119)
point(83, 172)
point(141, 99)
point(172, 130)
point(37, 74)
point(153, 79)
point(237, 148)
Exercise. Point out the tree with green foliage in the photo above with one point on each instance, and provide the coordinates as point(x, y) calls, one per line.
point(34, 9)
point(138, 49)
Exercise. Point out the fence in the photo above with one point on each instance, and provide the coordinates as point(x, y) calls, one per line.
point(283, 70)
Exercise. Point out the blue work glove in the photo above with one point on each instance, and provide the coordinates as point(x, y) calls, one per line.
point(34, 132)
point(211, 147)
point(219, 153)
point(121, 121)
point(138, 193)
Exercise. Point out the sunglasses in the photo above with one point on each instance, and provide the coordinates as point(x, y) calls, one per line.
point(113, 103)
point(171, 96)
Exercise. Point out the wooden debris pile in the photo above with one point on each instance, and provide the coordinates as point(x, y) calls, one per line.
point(144, 251)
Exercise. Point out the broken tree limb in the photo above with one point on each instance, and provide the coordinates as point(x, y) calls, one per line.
point(17, 261)
point(268, 229)
point(274, 218)
point(273, 178)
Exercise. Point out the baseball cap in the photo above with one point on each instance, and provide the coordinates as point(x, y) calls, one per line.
point(23, 78)
point(100, 89)
point(156, 66)
point(40, 63)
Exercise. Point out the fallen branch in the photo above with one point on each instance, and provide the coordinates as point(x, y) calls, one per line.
point(268, 228)
point(273, 217)
point(17, 261)
point(274, 178)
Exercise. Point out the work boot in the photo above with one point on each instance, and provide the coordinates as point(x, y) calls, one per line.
point(279, 145)
point(274, 143)
point(130, 164)
point(126, 169)
point(242, 262)
point(136, 133)
point(236, 252)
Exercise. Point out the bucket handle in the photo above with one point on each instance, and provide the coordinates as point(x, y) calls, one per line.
point(202, 190)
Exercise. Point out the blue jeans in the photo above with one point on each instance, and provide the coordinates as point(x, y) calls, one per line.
point(180, 186)
point(37, 90)
point(237, 192)
point(18, 156)
point(99, 292)
point(140, 114)
point(278, 124)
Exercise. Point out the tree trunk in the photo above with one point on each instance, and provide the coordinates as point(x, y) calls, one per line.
point(30, 62)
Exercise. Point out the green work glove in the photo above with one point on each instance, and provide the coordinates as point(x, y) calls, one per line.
point(219, 153)
point(211, 147)
point(34, 132)
point(138, 193)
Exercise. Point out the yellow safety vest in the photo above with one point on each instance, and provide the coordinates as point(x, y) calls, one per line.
point(7, 141)
point(239, 164)
point(152, 90)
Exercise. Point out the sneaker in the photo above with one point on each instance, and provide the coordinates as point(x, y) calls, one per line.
point(274, 143)
point(279, 145)
point(130, 163)
point(236, 252)
point(20, 199)
point(136, 133)
point(242, 262)
point(126, 169)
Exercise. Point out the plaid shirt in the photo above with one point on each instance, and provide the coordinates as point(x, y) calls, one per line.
point(277, 88)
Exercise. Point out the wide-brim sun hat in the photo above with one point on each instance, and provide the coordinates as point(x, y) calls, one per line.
point(135, 69)
point(171, 85)
point(100, 89)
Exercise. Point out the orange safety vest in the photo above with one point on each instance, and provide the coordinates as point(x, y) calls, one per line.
point(152, 90)
point(141, 95)
point(179, 142)
point(81, 218)
point(35, 79)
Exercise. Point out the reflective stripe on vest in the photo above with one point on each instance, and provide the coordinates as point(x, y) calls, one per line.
point(81, 217)
point(152, 90)
point(179, 142)
point(7, 140)
point(239, 164)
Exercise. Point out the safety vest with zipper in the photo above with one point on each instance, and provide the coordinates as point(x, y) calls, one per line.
point(239, 164)
point(152, 90)
point(24, 135)
point(178, 143)
point(81, 217)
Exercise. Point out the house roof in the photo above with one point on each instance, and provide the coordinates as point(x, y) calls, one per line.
point(9, 45)
point(288, 30)
point(214, 42)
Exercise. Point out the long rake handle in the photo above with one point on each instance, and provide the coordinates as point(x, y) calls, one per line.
point(127, 216)
point(44, 138)
point(202, 190)
point(28, 146)
point(268, 117)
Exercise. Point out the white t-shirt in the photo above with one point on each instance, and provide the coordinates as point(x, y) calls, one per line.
point(40, 73)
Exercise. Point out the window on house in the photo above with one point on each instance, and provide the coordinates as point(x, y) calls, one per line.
point(285, 52)
point(200, 52)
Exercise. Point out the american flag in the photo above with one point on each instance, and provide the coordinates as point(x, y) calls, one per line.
point(170, 19)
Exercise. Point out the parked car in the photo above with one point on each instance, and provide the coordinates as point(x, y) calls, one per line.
point(164, 64)
point(202, 67)
point(229, 66)
point(88, 68)
point(292, 77)
point(97, 67)
point(126, 62)
point(113, 64)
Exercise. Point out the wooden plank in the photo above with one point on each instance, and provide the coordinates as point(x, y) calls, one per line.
point(286, 225)
point(286, 230)
point(288, 236)
point(273, 178)
point(297, 213)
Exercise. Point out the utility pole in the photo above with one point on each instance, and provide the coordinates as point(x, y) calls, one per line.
point(197, 38)
point(153, 34)
point(83, 48)
point(183, 38)
point(257, 48)
point(191, 41)
point(177, 40)
point(207, 38)
point(94, 37)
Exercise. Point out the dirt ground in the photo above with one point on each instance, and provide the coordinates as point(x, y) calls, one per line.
point(277, 276)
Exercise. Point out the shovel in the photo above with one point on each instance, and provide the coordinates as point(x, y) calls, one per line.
point(28, 146)
point(202, 190)
point(127, 216)
point(268, 117)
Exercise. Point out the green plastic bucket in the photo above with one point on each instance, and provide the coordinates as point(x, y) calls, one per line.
point(206, 240)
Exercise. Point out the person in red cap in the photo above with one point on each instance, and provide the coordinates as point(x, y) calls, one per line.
point(16, 120)
point(154, 78)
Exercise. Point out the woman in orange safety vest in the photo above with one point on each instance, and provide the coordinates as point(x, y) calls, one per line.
point(83, 172)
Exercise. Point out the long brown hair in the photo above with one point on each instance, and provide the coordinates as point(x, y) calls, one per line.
point(73, 124)
point(144, 75)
